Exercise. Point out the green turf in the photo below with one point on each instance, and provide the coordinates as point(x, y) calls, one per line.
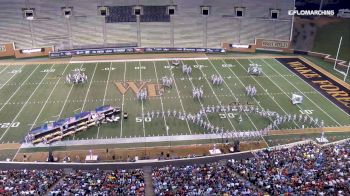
point(33, 97)
point(327, 39)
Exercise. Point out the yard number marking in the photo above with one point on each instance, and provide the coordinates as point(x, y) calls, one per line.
point(306, 111)
point(146, 119)
point(227, 115)
point(7, 125)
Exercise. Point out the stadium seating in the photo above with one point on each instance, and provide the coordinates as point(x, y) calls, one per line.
point(209, 179)
point(98, 182)
point(187, 28)
point(120, 14)
point(27, 182)
point(155, 14)
point(301, 170)
point(304, 169)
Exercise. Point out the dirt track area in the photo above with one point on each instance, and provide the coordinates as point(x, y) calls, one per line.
point(127, 154)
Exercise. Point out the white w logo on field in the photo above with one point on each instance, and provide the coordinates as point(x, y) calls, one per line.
point(154, 89)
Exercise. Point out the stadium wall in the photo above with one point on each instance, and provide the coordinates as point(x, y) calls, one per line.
point(7, 50)
point(187, 27)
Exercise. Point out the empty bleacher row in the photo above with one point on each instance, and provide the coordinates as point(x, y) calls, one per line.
point(302, 169)
point(187, 27)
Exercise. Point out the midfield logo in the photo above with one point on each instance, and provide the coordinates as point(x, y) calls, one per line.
point(154, 89)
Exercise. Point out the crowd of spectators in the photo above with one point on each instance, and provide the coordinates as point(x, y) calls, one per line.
point(306, 169)
point(27, 182)
point(99, 182)
point(209, 179)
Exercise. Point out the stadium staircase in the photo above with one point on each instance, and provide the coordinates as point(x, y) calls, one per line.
point(147, 172)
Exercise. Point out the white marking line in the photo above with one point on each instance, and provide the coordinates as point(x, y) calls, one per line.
point(279, 88)
point(42, 108)
point(303, 93)
point(5, 68)
point(36, 119)
point(19, 88)
point(178, 96)
point(263, 88)
point(104, 96)
point(205, 114)
point(232, 94)
point(240, 81)
point(15, 118)
point(161, 102)
point(7, 79)
point(143, 120)
point(122, 119)
point(88, 90)
point(138, 60)
point(219, 101)
point(65, 101)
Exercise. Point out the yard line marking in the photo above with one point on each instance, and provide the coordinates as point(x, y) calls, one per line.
point(65, 101)
point(18, 113)
point(19, 87)
point(279, 88)
point(104, 97)
point(200, 102)
point(302, 92)
point(7, 66)
point(161, 102)
point(219, 101)
point(178, 96)
point(9, 78)
point(143, 120)
point(233, 94)
point(42, 108)
point(261, 87)
point(88, 90)
point(316, 91)
point(123, 99)
point(33, 124)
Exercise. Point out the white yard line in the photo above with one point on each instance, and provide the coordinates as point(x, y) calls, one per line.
point(13, 75)
point(19, 88)
point(178, 96)
point(122, 119)
point(24, 105)
point(143, 120)
point(161, 101)
point(88, 90)
point(232, 93)
point(200, 102)
point(53, 89)
point(104, 96)
point(65, 101)
point(261, 87)
point(279, 88)
point(318, 92)
point(301, 91)
point(219, 101)
point(43, 106)
point(7, 66)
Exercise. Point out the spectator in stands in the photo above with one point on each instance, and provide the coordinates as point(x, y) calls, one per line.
point(27, 182)
point(301, 170)
point(210, 179)
point(98, 182)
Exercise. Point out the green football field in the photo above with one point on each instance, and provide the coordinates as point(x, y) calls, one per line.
point(31, 95)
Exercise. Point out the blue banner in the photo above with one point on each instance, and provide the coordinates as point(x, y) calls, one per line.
point(102, 51)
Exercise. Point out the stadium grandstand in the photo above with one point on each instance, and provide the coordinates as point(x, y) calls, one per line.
point(174, 97)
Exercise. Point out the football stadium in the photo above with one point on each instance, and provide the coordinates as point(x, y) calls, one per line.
point(173, 97)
